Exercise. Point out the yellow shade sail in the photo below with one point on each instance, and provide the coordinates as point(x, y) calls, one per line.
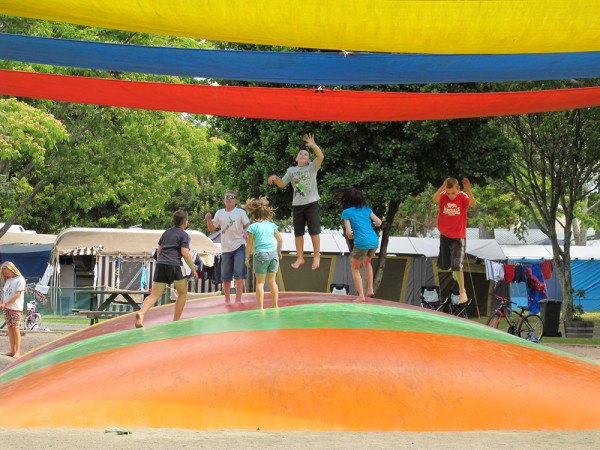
point(406, 26)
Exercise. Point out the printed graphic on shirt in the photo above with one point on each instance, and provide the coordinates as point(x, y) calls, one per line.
point(300, 179)
point(451, 209)
point(229, 224)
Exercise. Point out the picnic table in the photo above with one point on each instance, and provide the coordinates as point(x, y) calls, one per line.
point(107, 298)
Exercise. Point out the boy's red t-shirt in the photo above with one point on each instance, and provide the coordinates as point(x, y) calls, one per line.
point(452, 215)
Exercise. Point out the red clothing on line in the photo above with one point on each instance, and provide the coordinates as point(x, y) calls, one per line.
point(546, 267)
point(509, 273)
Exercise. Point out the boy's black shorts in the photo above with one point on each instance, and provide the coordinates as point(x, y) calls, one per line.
point(304, 215)
point(452, 253)
point(165, 273)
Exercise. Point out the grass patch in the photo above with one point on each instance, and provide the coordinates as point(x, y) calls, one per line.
point(574, 341)
point(65, 319)
point(593, 316)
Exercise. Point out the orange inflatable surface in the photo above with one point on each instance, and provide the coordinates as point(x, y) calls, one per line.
point(317, 363)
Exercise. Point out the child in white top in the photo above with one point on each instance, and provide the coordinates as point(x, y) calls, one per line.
point(12, 304)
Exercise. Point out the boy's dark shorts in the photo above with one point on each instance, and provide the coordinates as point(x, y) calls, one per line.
point(452, 253)
point(166, 273)
point(304, 215)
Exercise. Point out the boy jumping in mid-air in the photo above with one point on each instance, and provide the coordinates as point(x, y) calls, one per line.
point(452, 224)
point(305, 204)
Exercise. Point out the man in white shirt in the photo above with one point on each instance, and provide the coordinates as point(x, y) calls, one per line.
point(233, 222)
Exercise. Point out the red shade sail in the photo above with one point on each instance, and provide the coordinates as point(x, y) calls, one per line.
point(291, 104)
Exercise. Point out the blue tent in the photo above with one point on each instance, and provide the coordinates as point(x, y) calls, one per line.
point(585, 267)
point(31, 260)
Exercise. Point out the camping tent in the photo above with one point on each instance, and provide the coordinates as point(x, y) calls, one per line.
point(28, 251)
point(410, 264)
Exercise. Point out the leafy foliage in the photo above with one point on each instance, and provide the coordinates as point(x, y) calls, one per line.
point(555, 169)
point(120, 167)
point(390, 162)
point(29, 138)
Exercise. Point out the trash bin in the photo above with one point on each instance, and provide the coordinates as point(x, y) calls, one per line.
point(550, 314)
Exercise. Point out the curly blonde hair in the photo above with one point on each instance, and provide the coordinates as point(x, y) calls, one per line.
point(259, 209)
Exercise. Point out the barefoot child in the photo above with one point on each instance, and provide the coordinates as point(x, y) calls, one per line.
point(305, 203)
point(358, 223)
point(452, 224)
point(12, 304)
point(265, 242)
point(173, 245)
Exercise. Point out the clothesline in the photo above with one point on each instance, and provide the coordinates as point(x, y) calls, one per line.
point(533, 274)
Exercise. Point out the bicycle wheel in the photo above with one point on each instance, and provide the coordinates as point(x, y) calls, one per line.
point(531, 328)
point(34, 321)
point(494, 321)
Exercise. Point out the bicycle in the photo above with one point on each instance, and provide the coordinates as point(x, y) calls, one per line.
point(33, 319)
point(529, 327)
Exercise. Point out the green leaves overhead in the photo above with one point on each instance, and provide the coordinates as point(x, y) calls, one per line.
point(118, 167)
point(26, 133)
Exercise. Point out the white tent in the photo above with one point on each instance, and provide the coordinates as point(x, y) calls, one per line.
point(409, 265)
point(427, 247)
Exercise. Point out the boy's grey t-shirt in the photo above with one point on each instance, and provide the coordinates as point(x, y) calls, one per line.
point(304, 182)
point(171, 242)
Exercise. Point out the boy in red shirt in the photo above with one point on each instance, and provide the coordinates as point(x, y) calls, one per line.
point(452, 224)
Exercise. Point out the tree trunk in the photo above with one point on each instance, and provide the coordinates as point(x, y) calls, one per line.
point(385, 239)
point(580, 234)
point(562, 261)
point(15, 216)
point(485, 233)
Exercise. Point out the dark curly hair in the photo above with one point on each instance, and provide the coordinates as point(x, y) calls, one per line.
point(348, 197)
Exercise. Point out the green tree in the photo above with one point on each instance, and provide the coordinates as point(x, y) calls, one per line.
point(555, 169)
point(497, 207)
point(29, 141)
point(417, 215)
point(120, 167)
point(388, 161)
point(587, 213)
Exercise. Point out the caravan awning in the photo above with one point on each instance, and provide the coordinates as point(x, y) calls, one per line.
point(84, 251)
point(129, 242)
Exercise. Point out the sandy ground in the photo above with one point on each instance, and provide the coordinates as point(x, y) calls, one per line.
point(241, 439)
point(237, 439)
